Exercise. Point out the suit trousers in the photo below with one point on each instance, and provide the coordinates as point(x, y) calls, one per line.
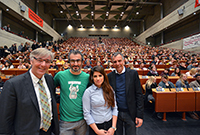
point(125, 121)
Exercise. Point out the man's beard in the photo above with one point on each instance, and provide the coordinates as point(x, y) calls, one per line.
point(77, 69)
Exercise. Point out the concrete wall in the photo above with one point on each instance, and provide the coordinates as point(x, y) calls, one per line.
point(14, 5)
point(77, 32)
point(8, 39)
point(169, 20)
point(179, 45)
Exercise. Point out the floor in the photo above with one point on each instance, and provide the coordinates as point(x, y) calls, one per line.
point(173, 126)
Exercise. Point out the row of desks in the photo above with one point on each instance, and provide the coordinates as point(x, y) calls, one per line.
point(172, 101)
point(172, 79)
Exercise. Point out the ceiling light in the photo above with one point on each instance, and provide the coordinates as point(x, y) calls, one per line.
point(107, 12)
point(194, 13)
point(115, 25)
point(122, 12)
point(61, 11)
point(92, 12)
point(81, 26)
point(92, 25)
point(137, 13)
point(7, 9)
point(22, 19)
point(77, 12)
point(69, 26)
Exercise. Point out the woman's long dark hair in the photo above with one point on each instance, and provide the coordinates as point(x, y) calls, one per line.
point(108, 93)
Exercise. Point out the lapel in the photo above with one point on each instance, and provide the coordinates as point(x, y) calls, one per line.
point(28, 85)
point(48, 81)
point(127, 74)
point(114, 80)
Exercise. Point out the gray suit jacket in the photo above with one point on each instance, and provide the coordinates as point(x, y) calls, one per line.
point(20, 114)
point(134, 96)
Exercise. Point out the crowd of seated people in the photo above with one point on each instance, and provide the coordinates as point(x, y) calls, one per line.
point(145, 58)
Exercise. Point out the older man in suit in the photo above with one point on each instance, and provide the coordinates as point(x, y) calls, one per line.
point(126, 85)
point(28, 104)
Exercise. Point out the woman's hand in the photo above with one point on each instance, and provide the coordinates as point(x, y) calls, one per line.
point(111, 131)
point(102, 132)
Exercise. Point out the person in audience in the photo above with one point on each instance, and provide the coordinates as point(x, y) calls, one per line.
point(155, 60)
point(99, 64)
point(129, 97)
point(27, 64)
point(8, 65)
point(54, 66)
point(20, 47)
point(198, 66)
point(135, 62)
point(7, 27)
point(99, 105)
point(109, 66)
point(192, 65)
point(130, 66)
point(66, 66)
point(24, 110)
point(182, 82)
point(21, 65)
point(163, 61)
point(192, 72)
point(196, 83)
point(165, 83)
point(88, 59)
point(73, 82)
point(142, 66)
point(150, 83)
point(88, 65)
point(1, 65)
point(60, 61)
point(165, 72)
point(176, 72)
point(153, 71)
point(183, 66)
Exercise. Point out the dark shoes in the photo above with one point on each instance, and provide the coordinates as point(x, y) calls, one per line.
point(159, 116)
point(194, 115)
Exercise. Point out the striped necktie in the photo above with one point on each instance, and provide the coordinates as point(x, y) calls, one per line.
point(46, 122)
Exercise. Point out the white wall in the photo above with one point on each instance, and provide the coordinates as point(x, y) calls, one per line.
point(8, 39)
point(14, 5)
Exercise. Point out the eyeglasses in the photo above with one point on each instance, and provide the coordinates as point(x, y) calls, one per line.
point(47, 61)
point(73, 61)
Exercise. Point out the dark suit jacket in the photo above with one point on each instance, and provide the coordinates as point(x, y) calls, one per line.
point(134, 96)
point(20, 114)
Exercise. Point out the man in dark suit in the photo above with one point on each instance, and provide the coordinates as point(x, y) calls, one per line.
point(21, 102)
point(126, 85)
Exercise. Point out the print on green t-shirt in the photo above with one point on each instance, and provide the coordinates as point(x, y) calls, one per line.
point(72, 88)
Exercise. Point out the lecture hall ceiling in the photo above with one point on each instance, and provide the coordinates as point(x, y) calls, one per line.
point(119, 12)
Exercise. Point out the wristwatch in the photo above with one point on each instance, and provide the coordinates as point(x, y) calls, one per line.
point(114, 128)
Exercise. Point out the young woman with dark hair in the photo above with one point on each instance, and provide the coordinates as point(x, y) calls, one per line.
point(99, 105)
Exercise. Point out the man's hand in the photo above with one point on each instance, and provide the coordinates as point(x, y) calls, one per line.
point(138, 122)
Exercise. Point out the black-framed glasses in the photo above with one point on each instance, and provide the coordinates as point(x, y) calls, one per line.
point(73, 61)
point(40, 60)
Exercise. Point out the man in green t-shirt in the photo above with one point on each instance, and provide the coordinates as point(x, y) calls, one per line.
point(73, 83)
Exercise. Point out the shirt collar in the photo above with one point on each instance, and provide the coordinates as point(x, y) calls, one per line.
point(34, 78)
point(95, 87)
point(123, 71)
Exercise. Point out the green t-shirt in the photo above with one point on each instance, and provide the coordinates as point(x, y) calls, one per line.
point(72, 88)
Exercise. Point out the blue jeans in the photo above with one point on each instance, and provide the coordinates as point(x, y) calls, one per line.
point(71, 128)
point(125, 121)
